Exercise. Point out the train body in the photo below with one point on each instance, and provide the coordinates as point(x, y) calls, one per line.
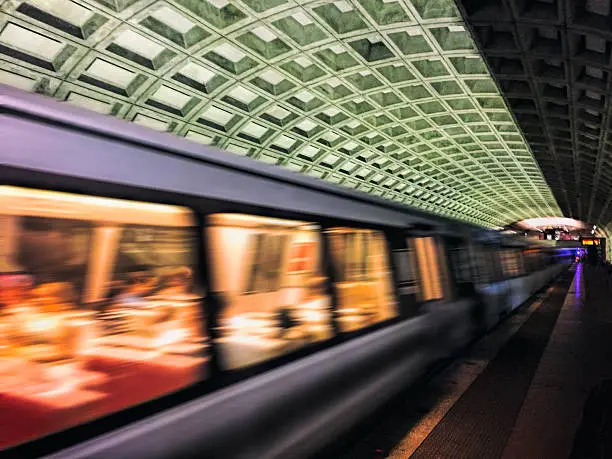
point(164, 299)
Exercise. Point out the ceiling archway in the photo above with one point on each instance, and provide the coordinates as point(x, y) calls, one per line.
point(552, 61)
point(387, 97)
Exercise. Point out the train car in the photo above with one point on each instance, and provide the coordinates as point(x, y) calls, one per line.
point(162, 299)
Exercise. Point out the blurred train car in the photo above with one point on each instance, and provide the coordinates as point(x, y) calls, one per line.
point(164, 299)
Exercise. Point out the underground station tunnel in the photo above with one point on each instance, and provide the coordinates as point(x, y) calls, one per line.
point(278, 229)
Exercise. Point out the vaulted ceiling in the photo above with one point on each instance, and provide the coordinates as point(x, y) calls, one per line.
point(387, 97)
point(551, 59)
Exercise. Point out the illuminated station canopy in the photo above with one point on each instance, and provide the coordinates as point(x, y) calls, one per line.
point(387, 97)
point(541, 223)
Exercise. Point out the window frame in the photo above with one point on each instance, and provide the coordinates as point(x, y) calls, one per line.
point(489, 254)
point(407, 290)
point(465, 246)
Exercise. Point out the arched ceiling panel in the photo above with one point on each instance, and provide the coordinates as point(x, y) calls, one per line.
point(387, 97)
point(552, 60)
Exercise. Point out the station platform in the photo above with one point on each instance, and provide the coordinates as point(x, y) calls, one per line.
point(519, 392)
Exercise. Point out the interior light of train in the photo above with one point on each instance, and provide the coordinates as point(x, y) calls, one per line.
point(42, 325)
point(254, 220)
point(314, 315)
point(42, 198)
point(169, 337)
point(46, 208)
point(343, 230)
point(18, 201)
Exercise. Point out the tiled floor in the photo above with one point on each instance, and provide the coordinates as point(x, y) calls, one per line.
point(481, 421)
point(449, 386)
point(578, 355)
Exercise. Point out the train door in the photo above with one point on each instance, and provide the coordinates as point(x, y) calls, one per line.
point(406, 277)
point(461, 266)
point(489, 285)
point(433, 280)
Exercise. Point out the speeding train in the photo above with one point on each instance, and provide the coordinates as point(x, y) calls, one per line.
point(160, 298)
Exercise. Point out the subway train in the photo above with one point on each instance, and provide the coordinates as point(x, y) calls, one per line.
point(160, 298)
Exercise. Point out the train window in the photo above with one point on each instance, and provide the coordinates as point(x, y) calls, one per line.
point(432, 269)
point(511, 262)
point(363, 277)
point(406, 271)
point(98, 308)
point(505, 257)
point(486, 264)
point(461, 262)
point(520, 259)
point(269, 277)
point(532, 259)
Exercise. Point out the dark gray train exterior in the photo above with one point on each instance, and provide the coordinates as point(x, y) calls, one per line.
point(288, 411)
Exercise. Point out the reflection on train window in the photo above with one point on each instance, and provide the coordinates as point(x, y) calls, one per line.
point(363, 278)
point(269, 278)
point(431, 268)
point(267, 257)
point(98, 308)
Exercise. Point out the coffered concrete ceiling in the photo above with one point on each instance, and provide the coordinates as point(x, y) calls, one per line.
point(551, 59)
point(387, 97)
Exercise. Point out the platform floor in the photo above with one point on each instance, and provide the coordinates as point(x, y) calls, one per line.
point(517, 393)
